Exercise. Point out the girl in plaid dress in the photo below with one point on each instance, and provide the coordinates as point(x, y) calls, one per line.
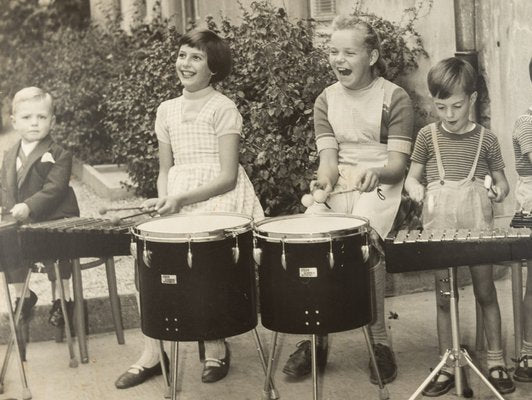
point(199, 138)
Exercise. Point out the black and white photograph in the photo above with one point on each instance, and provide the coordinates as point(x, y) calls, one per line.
point(265, 199)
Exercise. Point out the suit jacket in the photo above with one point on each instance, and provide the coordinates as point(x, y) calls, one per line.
point(44, 185)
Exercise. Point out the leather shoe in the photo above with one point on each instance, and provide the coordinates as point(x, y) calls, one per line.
point(437, 388)
point(385, 363)
point(523, 373)
point(212, 373)
point(137, 374)
point(503, 383)
point(299, 363)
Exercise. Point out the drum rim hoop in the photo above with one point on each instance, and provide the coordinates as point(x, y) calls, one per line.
point(316, 237)
point(208, 236)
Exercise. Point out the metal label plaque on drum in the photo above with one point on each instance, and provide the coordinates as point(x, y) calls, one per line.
point(169, 279)
point(308, 272)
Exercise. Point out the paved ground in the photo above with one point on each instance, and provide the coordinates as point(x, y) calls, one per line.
point(346, 376)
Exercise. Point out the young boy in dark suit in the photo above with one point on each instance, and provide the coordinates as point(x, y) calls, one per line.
point(35, 187)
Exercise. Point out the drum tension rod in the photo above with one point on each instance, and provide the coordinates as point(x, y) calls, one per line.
point(283, 254)
point(189, 253)
point(236, 249)
point(331, 254)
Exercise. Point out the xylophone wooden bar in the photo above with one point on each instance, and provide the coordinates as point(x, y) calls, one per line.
point(427, 250)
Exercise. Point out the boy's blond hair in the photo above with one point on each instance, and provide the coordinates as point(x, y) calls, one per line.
point(31, 93)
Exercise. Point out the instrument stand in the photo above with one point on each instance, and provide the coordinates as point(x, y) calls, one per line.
point(383, 391)
point(13, 322)
point(456, 356)
point(269, 393)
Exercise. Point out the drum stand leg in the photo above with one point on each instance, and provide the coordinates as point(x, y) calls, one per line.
point(268, 383)
point(269, 393)
point(457, 356)
point(26, 394)
point(314, 368)
point(517, 300)
point(383, 390)
point(174, 352)
point(79, 312)
point(73, 361)
point(18, 332)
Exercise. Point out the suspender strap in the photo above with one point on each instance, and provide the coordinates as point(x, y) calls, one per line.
point(474, 166)
point(441, 170)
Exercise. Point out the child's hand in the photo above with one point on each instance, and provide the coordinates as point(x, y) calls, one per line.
point(21, 212)
point(364, 180)
point(321, 184)
point(415, 190)
point(496, 194)
point(149, 205)
point(168, 205)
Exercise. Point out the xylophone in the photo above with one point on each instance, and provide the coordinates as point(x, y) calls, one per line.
point(425, 250)
point(76, 237)
point(8, 243)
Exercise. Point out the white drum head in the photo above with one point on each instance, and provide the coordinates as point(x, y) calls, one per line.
point(193, 227)
point(307, 226)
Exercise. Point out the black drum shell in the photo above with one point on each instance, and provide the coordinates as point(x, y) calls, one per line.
point(214, 299)
point(338, 299)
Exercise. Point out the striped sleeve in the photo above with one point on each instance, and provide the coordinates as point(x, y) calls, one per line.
point(323, 130)
point(523, 133)
point(400, 122)
point(161, 123)
point(420, 154)
point(495, 160)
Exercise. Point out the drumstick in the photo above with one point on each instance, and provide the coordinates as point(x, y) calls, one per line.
point(104, 210)
point(117, 219)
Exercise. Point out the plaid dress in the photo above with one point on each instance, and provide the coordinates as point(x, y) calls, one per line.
point(196, 156)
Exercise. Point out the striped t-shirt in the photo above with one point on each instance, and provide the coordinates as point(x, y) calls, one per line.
point(522, 142)
point(457, 153)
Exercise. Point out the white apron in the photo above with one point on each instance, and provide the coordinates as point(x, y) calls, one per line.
point(357, 125)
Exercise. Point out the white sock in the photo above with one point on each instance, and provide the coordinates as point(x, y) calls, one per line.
point(214, 349)
point(150, 355)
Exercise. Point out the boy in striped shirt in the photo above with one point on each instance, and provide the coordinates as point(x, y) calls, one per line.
point(522, 142)
point(455, 154)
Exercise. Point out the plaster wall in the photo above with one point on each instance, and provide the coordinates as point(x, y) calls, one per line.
point(504, 38)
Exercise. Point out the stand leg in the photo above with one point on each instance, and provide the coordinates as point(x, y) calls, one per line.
point(272, 392)
point(314, 368)
point(26, 394)
point(456, 354)
point(11, 341)
point(472, 365)
point(73, 361)
point(79, 311)
point(114, 299)
point(164, 367)
point(517, 300)
point(383, 391)
point(173, 368)
point(273, 346)
point(434, 372)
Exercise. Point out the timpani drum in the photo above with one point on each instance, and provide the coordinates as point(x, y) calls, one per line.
point(196, 276)
point(313, 278)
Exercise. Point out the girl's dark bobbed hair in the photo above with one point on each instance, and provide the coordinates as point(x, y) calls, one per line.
point(219, 57)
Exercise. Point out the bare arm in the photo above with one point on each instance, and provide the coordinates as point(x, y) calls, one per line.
point(501, 188)
point(413, 185)
point(327, 170)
